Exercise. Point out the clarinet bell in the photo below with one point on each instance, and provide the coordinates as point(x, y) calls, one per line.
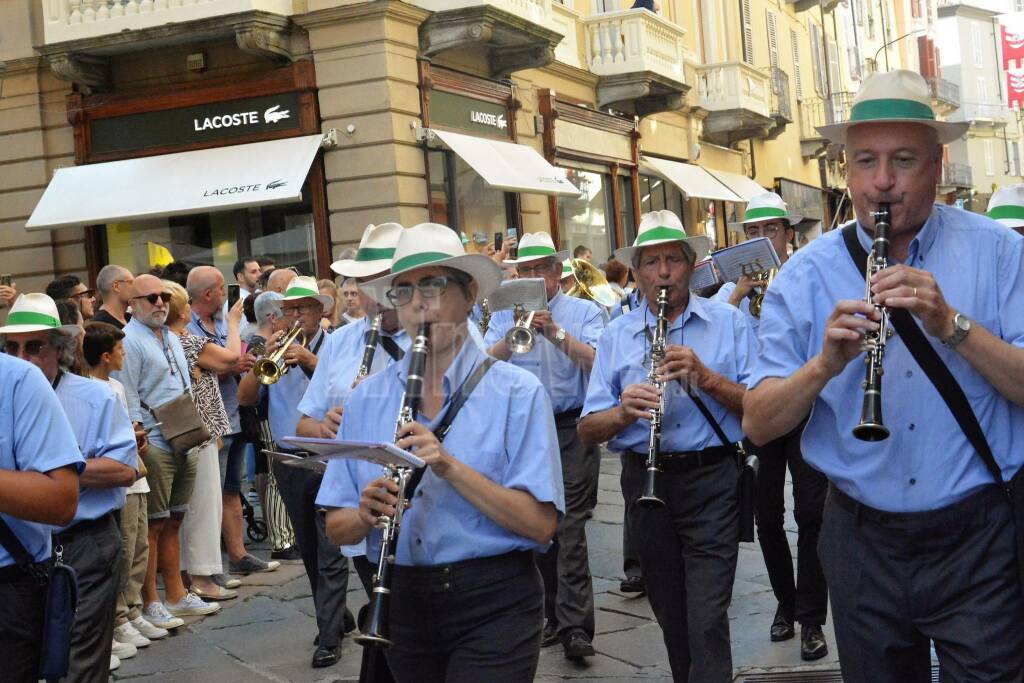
point(649, 499)
point(871, 427)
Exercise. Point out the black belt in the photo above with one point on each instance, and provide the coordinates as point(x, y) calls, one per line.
point(675, 462)
point(940, 517)
point(83, 527)
point(569, 418)
point(19, 572)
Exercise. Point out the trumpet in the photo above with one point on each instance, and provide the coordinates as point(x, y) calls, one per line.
point(650, 498)
point(521, 337)
point(757, 299)
point(372, 339)
point(870, 427)
point(270, 369)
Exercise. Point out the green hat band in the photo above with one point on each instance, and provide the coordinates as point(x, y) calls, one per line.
point(416, 260)
point(31, 318)
point(661, 232)
point(540, 250)
point(1007, 211)
point(301, 292)
point(764, 212)
point(370, 254)
point(890, 109)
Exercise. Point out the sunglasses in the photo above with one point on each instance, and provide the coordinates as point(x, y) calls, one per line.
point(89, 293)
point(429, 288)
point(153, 298)
point(32, 348)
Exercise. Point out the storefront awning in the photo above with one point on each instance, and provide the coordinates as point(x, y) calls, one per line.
point(740, 184)
point(508, 166)
point(693, 181)
point(205, 180)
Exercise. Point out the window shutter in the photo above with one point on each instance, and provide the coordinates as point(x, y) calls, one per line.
point(833, 67)
point(748, 31)
point(773, 40)
point(798, 81)
point(817, 58)
point(990, 158)
point(982, 89)
point(977, 39)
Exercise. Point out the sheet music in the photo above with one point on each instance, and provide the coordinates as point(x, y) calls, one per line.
point(332, 449)
point(530, 293)
point(704, 276)
point(749, 258)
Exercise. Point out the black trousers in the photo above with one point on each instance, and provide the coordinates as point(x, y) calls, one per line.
point(630, 553)
point(898, 580)
point(374, 666)
point(565, 567)
point(22, 609)
point(93, 550)
point(468, 622)
point(326, 567)
point(806, 599)
point(688, 552)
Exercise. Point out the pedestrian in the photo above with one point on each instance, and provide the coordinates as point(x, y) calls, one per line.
point(350, 293)
point(332, 319)
point(70, 287)
point(247, 273)
point(114, 284)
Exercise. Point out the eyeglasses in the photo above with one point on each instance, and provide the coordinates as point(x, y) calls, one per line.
point(752, 231)
point(153, 298)
point(301, 309)
point(32, 348)
point(429, 288)
point(79, 295)
point(121, 282)
point(539, 269)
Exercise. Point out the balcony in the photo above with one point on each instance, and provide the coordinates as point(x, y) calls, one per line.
point(821, 112)
point(955, 177)
point(945, 95)
point(781, 109)
point(638, 57)
point(983, 114)
point(737, 98)
point(804, 5)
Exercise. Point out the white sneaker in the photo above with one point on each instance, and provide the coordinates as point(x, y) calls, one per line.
point(126, 633)
point(192, 605)
point(156, 614)
point(148, 630)
point(115, 663)
point(123, 650)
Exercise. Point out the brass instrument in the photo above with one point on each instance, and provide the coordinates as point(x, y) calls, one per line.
point(372, 339)
point(649, 498)
point(870, 427)
point(591, 283)
point(270, 369)
point(377, 630)
point(521, 337)
point(485, 316)
point(757, 299)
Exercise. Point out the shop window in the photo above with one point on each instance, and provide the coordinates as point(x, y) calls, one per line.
point(657, 194)
point(589, 218)
point(459, 197)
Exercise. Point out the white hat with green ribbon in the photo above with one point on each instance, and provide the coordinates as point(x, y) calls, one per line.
point(765, 207)
point(899, 96)
point(537, 245)
point(305, 287)
point(376, 249)
point(433, 244)
point(1007, 206)
point(566, 269)
point(659, 227)
point(35, 313)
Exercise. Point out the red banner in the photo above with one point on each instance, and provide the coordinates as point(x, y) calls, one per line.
point(1013, 42)
point(1015, 88)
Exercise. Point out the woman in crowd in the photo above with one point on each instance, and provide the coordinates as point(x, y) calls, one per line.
point(332, 319)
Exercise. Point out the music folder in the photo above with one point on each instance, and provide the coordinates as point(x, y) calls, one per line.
point(747, 258)
point(325, 450)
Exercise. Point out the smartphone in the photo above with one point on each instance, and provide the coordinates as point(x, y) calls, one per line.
point(233, 294)
point(497, 241)
point(6, 279)
point(513, 234)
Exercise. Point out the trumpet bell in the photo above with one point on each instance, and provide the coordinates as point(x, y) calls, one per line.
point(591, 284)
point(270, 369)
point(520, 338)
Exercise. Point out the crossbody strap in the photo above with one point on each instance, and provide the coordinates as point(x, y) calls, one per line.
point(928, 358)
point(306, 371)
point(14, 546)
point(392, 348)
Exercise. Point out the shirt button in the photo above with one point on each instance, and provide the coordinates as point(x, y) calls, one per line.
point(447, 586)
point(419, 493)
point(446, 571)
point(913, 481)
point(419, 541)
point(910, 373)
point(912, 426)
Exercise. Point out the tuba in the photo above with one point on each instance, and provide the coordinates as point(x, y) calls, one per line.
point(649, 498)
point(870, 427)
point(270, 369)
point(591, 283)
point(521, 337)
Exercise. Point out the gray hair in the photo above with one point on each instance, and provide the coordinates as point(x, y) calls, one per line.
point(688, 252)
point(67, 345)
point(107, 276)
point(266, 309)
point(348, 254)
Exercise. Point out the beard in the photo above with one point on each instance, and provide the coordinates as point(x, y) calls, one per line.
point(154, 319)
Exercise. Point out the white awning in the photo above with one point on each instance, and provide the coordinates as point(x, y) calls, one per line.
point(508, 166)
point(740, 184)
point(205, 180)
point(693, 181)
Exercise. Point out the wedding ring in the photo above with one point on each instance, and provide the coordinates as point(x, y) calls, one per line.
point(915, 292)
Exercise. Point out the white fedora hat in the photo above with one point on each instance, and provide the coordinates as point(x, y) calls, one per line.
point(537, 245)
point(566, 269)
point(899, 96)
point(765, 207)
point(376, 249)
point(305, 287)
point(659, 227)
point(433, 244)
point(35, 313)
point(1007, 206)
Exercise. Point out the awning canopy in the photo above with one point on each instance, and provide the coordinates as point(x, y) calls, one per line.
point(693, 181)
point(740, 184)
point(508, 166)
point(201, 181)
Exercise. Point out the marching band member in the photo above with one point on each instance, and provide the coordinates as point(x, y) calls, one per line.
point(561, 358)
point(1007, 206)
point(916, 543)
point(806, 600)
point(689, 545)
point(491, 496)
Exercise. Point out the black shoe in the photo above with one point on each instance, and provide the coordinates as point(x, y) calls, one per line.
point(782, 626)
point(812, 643)
point(549, 636)
point(289, 555)
point(577, 646)
point(634, 584)
point(326, 656)
point(349, 622)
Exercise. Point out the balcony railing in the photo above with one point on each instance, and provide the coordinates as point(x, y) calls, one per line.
point(822, 112)
point(565, 20)
point(945, 92)
point(733, 85)
point(957, 175)
point(983, 113)
point(633, 40)
point(536, 11)
point(66, 20)
point(781, 108)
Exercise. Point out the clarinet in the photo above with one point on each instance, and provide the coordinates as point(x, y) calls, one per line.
point(650, 498)
point(377, 627)
point(372, 339)
point(873, 345)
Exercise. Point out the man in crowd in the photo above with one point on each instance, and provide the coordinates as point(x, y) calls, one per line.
point(114, 284)
point(70, 287)
point(561, 358)
point(279, 279)
point(582, 251)
point(247, 275)
point(1007, 207)
point(350, 294)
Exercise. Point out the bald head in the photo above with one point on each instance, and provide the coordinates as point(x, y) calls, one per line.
point(280, 279)
point(205, 287)
point(147, 284)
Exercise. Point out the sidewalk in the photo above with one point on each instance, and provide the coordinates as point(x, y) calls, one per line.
point(267, 633)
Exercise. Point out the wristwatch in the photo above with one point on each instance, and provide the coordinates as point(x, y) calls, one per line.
point(560, 335)
point(961, 328)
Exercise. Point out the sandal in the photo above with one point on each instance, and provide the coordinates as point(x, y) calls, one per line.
point(222, 594)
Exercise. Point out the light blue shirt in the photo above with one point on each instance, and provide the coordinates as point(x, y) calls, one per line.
point(340, 357)
point(103, 430)
point(285, 394)
point(632, 301)
point(154, 373)
point(719, 335)
point(505, 431)
point(926, 462)
point(228, 384)
point(34, 437)
point(566, 382)
point(723, 295)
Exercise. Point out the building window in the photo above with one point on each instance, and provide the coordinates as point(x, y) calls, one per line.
point(590, 218)
point(990, 158)
point(797, 78)
point(460, 198)
point(627, 210)
point(977, 44)
point(748, 31)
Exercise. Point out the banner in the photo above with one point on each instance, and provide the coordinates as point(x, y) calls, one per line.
point(1011, 29)
point(1015, 88)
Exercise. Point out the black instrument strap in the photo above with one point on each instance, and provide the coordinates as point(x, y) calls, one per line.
point(314, 351)
point(937, 371)
point(15, 548)
point(391, 346)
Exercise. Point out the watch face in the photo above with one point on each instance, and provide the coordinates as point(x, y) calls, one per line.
point(962, 322)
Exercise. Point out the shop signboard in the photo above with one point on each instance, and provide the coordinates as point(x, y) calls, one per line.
point(469, 115)
point(803, 200)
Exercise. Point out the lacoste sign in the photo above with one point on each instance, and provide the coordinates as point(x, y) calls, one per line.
point(243, 189)
point(488, 119)
point(245, 118)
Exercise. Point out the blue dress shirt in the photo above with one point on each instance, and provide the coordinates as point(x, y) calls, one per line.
point(103, 430)
point(505, 431)
point(926, 462)
point(566, 382)
point(228, 384)
point(723, 295)
point(719, 335)
point(283, 407)
point(34, 437)
point(154, 373)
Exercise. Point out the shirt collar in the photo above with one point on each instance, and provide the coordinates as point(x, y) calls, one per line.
point(149, 330)
point(216, 327)
point(463, 363)
point(919, 246)
point(694, 307)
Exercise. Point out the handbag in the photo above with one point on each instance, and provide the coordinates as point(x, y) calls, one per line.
point(180, 423)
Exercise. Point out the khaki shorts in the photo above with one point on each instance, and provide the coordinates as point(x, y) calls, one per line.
point(171, 479)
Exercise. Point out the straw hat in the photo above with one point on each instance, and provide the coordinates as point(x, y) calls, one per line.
point(305, 287)
point(566, 269)
point(433, 244)
point(660, 227)
point(1007, 206)
point(376, 249)
point(899, 96)
point(764, 207)
point(35, 313)
point(537, 245)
